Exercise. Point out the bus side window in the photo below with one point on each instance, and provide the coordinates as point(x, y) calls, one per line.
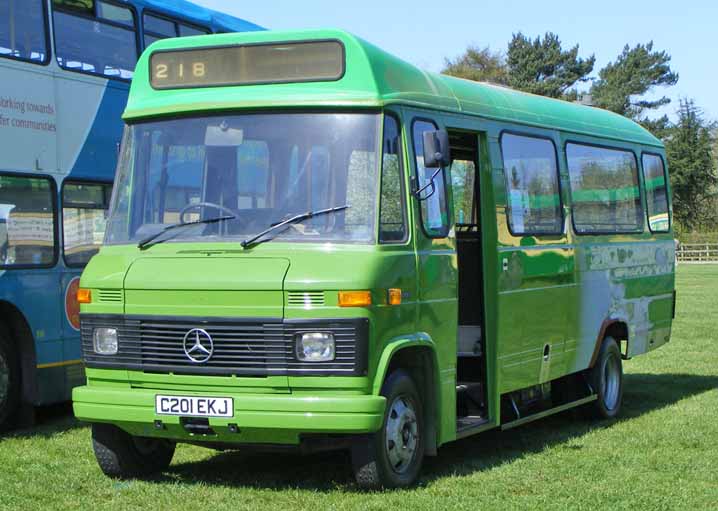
point(605, 192)
point(654, 178)
point(95, 37)
point(392, 211)
point(28, 214)
point(84, 219)
point(532, 186)
point(434, 209)
point(22, 30)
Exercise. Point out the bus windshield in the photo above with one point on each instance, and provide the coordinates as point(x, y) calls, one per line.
point(249, 171)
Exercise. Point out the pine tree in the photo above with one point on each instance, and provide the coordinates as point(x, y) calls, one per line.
point(692, 160)
point(480, 65)
point(636, 71)
point(542, 66)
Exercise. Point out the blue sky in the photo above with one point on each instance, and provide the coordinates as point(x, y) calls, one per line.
point(424, 32)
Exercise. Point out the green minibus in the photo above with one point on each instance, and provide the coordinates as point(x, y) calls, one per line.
point(315, 245)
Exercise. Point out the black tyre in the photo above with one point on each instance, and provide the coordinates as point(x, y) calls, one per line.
point(392, 457)
point(10, 382)
point(606, 379)
point(122, 455)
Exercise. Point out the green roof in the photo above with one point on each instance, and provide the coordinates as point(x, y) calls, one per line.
point(373, 78)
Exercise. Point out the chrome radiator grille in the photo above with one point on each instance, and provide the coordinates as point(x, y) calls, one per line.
point(240, 347)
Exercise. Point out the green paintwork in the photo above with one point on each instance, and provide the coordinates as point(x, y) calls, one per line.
point(538, 290)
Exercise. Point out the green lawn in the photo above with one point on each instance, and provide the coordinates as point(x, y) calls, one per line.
point(661, 454)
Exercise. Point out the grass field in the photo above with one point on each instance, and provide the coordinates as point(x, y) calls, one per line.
point(661, 454)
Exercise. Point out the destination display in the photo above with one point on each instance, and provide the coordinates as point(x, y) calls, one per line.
point(311, 61)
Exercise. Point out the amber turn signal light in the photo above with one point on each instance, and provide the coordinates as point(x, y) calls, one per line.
point(394, 296)
point(354, 298)
point(84, 296)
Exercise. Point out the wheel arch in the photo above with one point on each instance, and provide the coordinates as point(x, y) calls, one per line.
point(615, 328)
point(416, 354)
point(17, 326)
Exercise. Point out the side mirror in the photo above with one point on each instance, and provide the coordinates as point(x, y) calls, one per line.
point(436, 149)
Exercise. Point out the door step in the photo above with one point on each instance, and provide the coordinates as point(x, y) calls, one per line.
point(546, 413)
point(471, 425)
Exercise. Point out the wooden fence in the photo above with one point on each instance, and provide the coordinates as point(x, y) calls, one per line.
point(697, 253)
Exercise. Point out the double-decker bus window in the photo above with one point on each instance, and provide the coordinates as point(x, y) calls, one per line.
point(100, 42)
point(27, 235)
point(392, 212)
point(84, 217)
point(116, 13)
point(434, 209)
point(532, 188)
point(604, 190)
point(22, 30)
point(654, 177)
point(186, 30)
point(157, 28)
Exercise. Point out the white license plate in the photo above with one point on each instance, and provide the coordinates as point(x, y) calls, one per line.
point(190, 406)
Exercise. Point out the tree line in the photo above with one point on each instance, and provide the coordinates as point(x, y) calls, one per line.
point(542, 66)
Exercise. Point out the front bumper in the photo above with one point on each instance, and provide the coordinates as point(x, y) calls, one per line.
point(259, 418)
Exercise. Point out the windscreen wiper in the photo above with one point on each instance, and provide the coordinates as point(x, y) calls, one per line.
point(291, 220)
point(147, 242)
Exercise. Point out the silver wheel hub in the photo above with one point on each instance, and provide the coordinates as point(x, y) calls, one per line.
point(4, 379)
point(402, 434)
point(611, 382)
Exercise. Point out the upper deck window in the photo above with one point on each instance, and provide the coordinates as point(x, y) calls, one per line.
point(604, 190)
point(304, 61)
point(157, 28)
point(22, 30)
point(95, 37)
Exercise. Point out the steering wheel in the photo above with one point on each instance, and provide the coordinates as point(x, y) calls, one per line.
point(196, 205)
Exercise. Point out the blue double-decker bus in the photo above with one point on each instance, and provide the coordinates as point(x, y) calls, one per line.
point(65, 67)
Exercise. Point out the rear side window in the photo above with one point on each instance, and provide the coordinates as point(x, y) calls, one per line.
point(84, 218)
point(392, 212)
point(157, 27)
point(654, 177)
point(27, 221)
point(95, 37)
point(533, 194)
point(604, 190)
point(22, 30)
point(434, 209)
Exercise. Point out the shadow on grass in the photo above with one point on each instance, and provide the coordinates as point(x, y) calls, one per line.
point(644, 393)
point(48, 421)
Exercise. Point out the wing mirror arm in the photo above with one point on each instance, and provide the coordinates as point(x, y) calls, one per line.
point(430, 184)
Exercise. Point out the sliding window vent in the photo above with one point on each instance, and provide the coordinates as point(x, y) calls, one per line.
point(305, 298)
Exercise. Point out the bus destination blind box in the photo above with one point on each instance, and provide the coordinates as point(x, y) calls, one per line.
point(304, 61)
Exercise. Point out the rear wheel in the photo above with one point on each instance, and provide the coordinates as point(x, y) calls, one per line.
point(122, 455)
point(606, 378)
point(9, 382)
point(392, 457)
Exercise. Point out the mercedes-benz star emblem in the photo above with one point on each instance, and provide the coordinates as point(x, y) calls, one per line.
point(198, 346)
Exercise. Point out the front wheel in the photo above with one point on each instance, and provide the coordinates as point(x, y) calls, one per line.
point(122, 455)
point(392, 457)
point(606, 378)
